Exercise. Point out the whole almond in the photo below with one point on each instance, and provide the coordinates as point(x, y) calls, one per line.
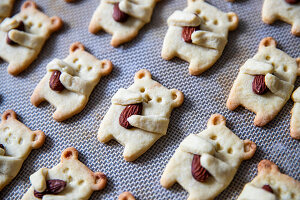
point(1, 146)
point(267, 188)
point(118, 15)
point(21, 27)
point(187, 32)
point(199, 173)
point(134, 109)
point(53, 186)
point(55, 83)
point(259, 85)
point(292, 1)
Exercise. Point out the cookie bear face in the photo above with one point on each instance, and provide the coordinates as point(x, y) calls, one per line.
point(69, 82)
point(265, 83)
point(74, 185)
point(142, 111)
point(5, 8)
point(270, 184)
point(200, 29)
point(287, 11)
point(205, 163)
point(24, 35)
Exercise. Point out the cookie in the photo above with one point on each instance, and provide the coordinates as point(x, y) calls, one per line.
point(204, 164)
point(139, 115)
point(198, 35)
point(285, 10)
point(70, 179)
point(5, 8)
point(24, 35)
point(121, 18)
point(295, 120)
point(126, 196)
point(68, 83)
point(16, 143)
point(265, 82)
point(270, 184)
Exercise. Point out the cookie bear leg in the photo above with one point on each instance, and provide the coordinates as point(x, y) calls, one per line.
point(262, 118)
point(120, 38)
point(94, 26)
point(167, 180)
point(196, 68)
point(168, 53)
point(36, 98)
point(16, 68)
point(232, 102)
point(104, 137)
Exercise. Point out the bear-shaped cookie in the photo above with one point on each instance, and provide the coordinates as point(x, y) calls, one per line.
point(295, 120)
point(5, 8)
point(281, 9)
point(24, 35)
point(121, 18)
point(270, 184)
point(198, 35)
point(73, 180)
point(139, 115)
point(16, 143)
point(265, 82)
point(204, 164)
point(68, 83)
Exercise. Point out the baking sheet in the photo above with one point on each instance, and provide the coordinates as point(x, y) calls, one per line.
point(204, 95)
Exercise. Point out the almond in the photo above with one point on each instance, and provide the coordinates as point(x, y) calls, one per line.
point(199, 173)
point(118, 15)
point(267, 188)
point(21, 27)
point(292, 1)
point(54, 186)
point(55, 83)
point(187, 32)
point(134, 109)
point(259, 85)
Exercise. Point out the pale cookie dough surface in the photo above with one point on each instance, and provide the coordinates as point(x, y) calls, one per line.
point(38, 28)
point(80, 73)
point(5, 8)
point(139, 12)
point(221, 154)
point(214, 25)
point(81, 182)
point(281, 10)
point(284, 187)
point(158, 102)
point(295, 119)
point(280, 72)
point(18, 141)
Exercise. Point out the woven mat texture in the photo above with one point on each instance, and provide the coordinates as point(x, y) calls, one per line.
point(204, 95)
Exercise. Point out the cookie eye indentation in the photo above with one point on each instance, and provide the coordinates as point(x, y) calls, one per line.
point(216, 22)
point(80, 182)
point(268, 57)
point(25, 17)
point(70, 179)
point(40, 25)
point(159, 99)
point(89, 68)
point(213, 137)
point(285, 68)
point(75, 60)
point(65, 170)
point(218, 147)
point(229, 150)
point(20, 141)
point(198, 11)
point(30, 24)
point(142, 90)
point(204, 19)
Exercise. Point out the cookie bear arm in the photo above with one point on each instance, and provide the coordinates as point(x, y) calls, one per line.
point(197, 145)
point(153, 123)
point(8, 24)
point(74, 83)
point(38, 180)
point(136, 9)
point(29, 40)
point(254, 67)
point(182, 18)
point(10, 166)
point(208, 39)
point(126, 97)
point(278, 87)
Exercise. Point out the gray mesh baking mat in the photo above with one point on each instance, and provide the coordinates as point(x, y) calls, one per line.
point(204, 95)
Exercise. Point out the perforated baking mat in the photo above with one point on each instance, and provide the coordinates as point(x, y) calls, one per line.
point(204, 95)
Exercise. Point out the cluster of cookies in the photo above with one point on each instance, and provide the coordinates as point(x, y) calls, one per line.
point(204, 164)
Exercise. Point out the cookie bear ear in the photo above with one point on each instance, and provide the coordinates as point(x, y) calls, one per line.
point(177, 97)
point(298, 65)
point(28, 4)
point(76, 46)
point(249, 149)
point(105, 67)
point(267, 42)
point(69, 153)
point(142, 74)
point(100, 181)
point(9, 114)
point(266, 165)
point(216, 119)
point(56, 23)
point(233, 20)
point(38, 139)
point(126, 196)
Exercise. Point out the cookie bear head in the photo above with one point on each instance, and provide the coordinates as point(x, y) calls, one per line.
point(16, 138)
point(37, 22)
point(159, 99)
point(86, 65)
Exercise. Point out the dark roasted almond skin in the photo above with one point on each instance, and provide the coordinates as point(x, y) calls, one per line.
point(1, 146)
point(21, 27)
point(292, 1)
point(267, 188)
point(259, 85)
point(199, 173)
point(187, 32)
point(55, 83)
point(54, 186)
point(118, 15)
point(134, 109)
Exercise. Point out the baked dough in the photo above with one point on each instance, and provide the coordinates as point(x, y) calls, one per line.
point(295, 120)
point(283, 186)
point(18, 141)
point(5, 8)
point(221, 154)
point(207, 44)
point(80, 73)
point(280, 72)
point(148, 127)
point(27, 44)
